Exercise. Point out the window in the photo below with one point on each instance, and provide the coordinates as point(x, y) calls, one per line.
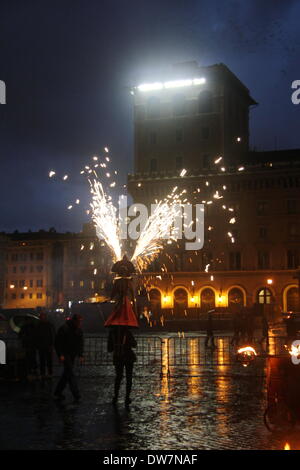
point(264, 296)
point(31, 269)
point(93, 284)
point(40, 255)
point(13, 296)
point(23, 256)
point(30, 296)
point(14, 269)
point(205, 131)
point(263, 260)
point(205, 102)
point(81, 283)
point(235, 260)
point(14, 257)
point(153, 107)
point(262, 207)
point(22, 283)
point(153, 165)
point(179, 107)
point(71, 283)
point(31, 283)
point(39, 295)
point(235, 297)
point(179, 135)
point(31, 256)
point(23, 269)
point(39, 268)
point(292, 299)
point(292, 259)
point(22, 296)
point(39, 283)
point(207, 300)
point(262, 233)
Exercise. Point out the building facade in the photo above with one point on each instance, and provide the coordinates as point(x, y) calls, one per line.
point(251, 251)
point(51, 270)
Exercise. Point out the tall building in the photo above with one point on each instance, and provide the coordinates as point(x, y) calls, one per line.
point(251, 250)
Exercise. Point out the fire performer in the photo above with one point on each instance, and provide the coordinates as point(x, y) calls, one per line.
point(123, 317)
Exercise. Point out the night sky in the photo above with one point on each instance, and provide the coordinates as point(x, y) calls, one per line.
point(68, 66)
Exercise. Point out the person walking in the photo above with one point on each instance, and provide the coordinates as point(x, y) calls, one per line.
point(209, 331)
point(44, 340)
point(27, 336)
point(236, 329)
point(68, 345)
point(120, 343)
point(265, 331)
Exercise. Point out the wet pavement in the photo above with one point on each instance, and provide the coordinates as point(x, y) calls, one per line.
point(218, 407)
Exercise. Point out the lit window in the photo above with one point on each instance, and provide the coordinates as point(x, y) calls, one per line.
point(39, 295)
point(81, 283)
point(264, 296)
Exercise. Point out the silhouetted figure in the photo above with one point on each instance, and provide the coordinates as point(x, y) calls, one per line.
point(68, 345)
point(236, 329)
point(291, 330)
point(120, 343)
point(124, 312)
point(209, 331)
point(27, 336)
point(249, 327)
point(44, 340)
point(265, 331)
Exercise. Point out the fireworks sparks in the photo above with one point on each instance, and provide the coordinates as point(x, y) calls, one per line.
point(104, 215)
point(159, 228)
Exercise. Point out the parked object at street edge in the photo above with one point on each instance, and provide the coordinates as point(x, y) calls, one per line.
point(120, 343)
point(44, 340)
point(68, 345)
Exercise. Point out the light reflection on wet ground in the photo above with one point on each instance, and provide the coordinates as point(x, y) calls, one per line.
point(209, 411)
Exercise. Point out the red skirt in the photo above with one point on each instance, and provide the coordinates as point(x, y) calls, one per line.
point(123, 315)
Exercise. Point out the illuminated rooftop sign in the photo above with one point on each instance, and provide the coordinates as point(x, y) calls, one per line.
point(171, 84)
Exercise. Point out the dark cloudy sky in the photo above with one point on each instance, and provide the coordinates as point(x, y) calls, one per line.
point(68, 64)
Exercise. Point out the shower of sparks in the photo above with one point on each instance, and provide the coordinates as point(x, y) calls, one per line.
point(158, 227)
point(104, 215)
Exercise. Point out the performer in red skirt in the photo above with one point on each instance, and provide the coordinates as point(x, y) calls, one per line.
point(123, 317)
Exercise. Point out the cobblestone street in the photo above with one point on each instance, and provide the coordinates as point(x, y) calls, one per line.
point(222, 408)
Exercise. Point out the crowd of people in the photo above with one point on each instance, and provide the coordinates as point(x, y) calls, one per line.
point(39, 339)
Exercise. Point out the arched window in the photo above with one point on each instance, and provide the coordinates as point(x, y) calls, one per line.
point(153, 107)
point(264, 296)
point(207, 300)
point(155, 301)
point(180, 301)
point(235, 298)
point(205, 101)
point(292, 299)
point(179, 105)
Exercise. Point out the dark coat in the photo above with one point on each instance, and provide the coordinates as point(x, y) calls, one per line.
point(120, 343)
point(44, 333)
point(69, 340)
